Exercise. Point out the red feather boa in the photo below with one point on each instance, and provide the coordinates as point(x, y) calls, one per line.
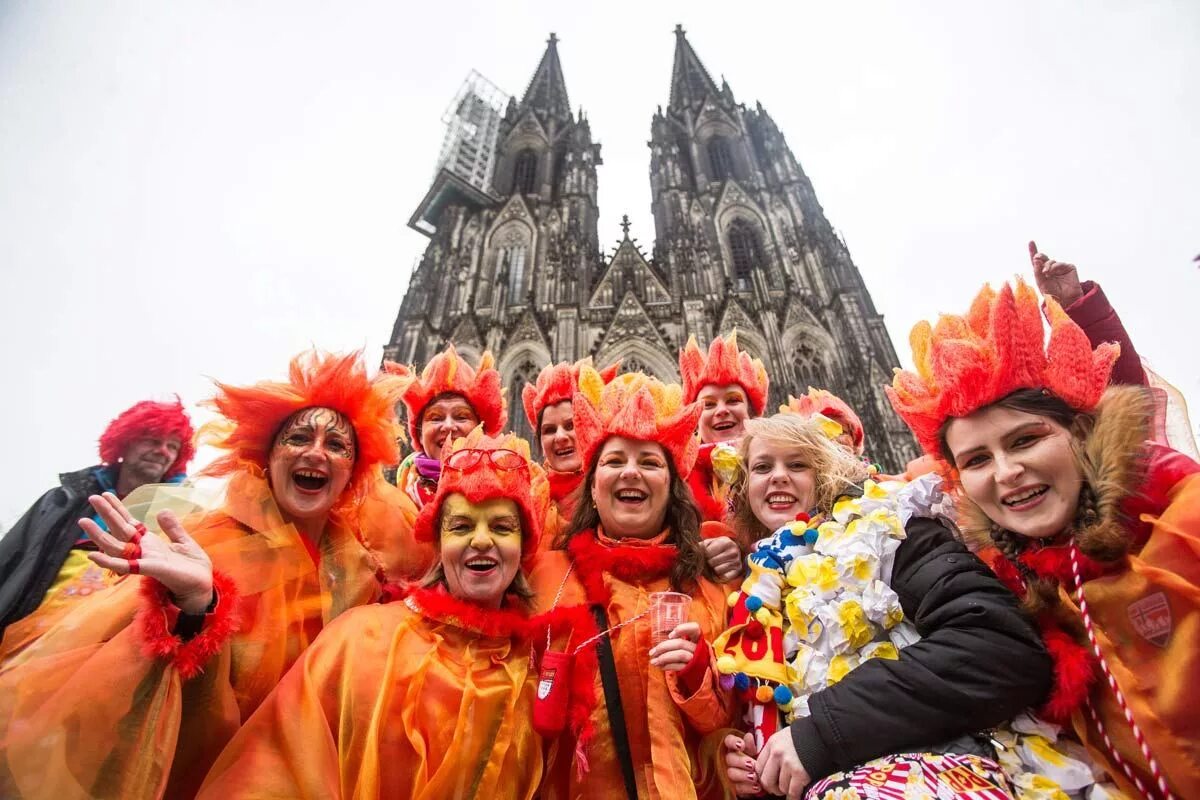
point(629, 563)
point(156, 620)
point(439, 605)
point(700, 481)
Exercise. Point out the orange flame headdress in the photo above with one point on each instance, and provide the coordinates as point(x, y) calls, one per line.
point(966, 363)
point(820, 401)
point(483, 479)
point(254, 415)
point(554, 384)
point(724, 365)
point(635, 406)
point(448, 373)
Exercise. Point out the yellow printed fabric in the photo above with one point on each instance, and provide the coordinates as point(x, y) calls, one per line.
point(86, 713)
point(391, 702)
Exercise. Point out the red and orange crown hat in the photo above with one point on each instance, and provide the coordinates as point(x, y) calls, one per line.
point(725, 364)
point(254, 414)
point(820, 401)
point(966, 363)
point(448, 373)
point(149, 418)
point(482, 479)
point(556, 383)
point(636, 406)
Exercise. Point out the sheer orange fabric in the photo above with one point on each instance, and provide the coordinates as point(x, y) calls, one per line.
point(1147, 621)
point(84, 712)
point(395, 700)
point(665, 727)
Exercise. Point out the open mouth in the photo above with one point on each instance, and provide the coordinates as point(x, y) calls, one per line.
point(308, 480)
point(779, 501)
point(565, 452)
point(1025, 498)
point(631, 496)
point(724, 425)
point(482, 565)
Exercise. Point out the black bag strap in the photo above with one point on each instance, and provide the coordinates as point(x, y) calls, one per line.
point(612, 701)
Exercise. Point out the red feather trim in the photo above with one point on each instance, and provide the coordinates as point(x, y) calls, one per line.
point(503, 623)
point(629, 563)
point(157, 617)
point(1055, 562)
point(1004, 569)
point(699, 480)
point(562, 484)
point(1074, 674)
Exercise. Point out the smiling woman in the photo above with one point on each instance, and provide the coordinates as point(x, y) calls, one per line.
point(226, 600)
point(432, 697)
point(1092, 525)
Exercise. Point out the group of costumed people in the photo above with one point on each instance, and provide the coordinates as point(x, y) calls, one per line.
point(688, 597)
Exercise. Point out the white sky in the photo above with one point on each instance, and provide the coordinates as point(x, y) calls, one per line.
point(204, 189)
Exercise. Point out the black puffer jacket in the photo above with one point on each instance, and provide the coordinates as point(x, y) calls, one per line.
point(979, 662)
point(34, 550)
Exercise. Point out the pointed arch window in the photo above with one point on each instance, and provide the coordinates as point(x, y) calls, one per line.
point(746, 252)
point(516, 273)
point(526, 372)
point(810, 368)
point(525, 172)
point(720, 158)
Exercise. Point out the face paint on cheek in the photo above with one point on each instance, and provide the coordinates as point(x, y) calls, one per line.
point(336, 432)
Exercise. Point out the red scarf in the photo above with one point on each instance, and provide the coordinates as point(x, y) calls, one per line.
point(439, 605)
point(629, 560)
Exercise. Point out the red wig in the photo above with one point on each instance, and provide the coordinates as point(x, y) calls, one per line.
point(149, 418)
point(254, 415)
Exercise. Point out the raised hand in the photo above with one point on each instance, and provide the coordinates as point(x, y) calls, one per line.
point(725, 558)
point(779, 768)
point(1056, 279)
point(675, 653)
point(177, 562)
point(740, 766)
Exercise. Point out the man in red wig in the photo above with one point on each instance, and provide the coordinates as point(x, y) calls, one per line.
point(43, 558)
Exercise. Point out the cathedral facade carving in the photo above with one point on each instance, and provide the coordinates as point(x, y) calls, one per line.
point(741, 242)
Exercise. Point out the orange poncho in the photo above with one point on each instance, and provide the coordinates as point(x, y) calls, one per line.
point(665, 725)
point(426, 698)
point(109, 703)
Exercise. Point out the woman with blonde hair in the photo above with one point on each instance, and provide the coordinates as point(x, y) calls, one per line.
point(866, 638)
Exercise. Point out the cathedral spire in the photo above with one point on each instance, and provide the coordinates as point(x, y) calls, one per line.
point(690, 81)
point(547, 90)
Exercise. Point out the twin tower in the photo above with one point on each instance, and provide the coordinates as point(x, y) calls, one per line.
point(514, 263)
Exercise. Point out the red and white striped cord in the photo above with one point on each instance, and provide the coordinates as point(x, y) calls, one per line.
point(1112, 683)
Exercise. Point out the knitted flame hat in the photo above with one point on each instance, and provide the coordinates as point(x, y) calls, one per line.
point(819, 401)
point(149, 418)
point(254, 414)
point(724, 365)
point(554, 384)
point(483, 479)
point(448, 373)
point(966, 363)
point(635, 406)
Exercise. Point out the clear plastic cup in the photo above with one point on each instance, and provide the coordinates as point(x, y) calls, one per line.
point(668, 610)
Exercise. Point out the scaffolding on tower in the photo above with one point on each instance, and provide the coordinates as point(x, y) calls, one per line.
point(472, 128)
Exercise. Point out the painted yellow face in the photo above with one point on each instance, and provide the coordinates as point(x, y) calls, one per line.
point(481, 548)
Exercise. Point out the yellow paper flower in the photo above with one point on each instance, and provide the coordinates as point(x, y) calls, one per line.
point(885, 650)
point(831, 429)
point(854, 623)
point(839, 667)
point(814, 571)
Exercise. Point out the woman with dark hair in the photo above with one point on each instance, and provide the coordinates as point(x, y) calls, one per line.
point(430, 697)
point(635, 535)
point(1095, 528)
point(866, 640)
point(445, 401)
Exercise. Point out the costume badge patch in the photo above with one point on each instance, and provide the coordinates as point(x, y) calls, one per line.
point(1151, 618)
point(546, 683)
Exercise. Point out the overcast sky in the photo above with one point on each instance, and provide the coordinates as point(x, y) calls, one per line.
point(204, 189)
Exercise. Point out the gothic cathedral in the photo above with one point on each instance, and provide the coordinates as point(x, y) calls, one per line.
point(514, 264)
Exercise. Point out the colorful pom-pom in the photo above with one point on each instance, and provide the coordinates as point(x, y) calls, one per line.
point(783, 695)
point(802, 517)
point(763, 616)
point(731, 601)
point(764, 694)
point(726, 682)
point(755, 630)
point(726, 665)
point(741, 681)
point(753, 603)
